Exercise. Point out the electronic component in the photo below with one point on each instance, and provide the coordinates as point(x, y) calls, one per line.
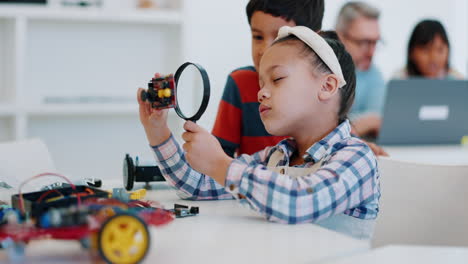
point(93, 182)
point(61, 217)
point(161, 92)
point(36, 203)
point(181, 210)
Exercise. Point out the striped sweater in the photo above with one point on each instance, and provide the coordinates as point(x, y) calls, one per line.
point(238, 126)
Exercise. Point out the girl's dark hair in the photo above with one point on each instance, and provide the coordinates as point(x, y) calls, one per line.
point(424, 32)
point(347, 92)
point(307, 13)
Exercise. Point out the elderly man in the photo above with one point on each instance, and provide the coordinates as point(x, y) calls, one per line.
point(358, 28)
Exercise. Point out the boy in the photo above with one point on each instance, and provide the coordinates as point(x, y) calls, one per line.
point(238, 126)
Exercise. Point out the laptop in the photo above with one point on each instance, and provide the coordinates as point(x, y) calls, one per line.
point(423, 111)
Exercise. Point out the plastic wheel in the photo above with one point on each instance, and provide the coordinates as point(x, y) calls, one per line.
point(123, 239)
point(128, 172)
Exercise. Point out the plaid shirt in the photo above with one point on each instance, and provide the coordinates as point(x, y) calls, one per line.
point(347, 182)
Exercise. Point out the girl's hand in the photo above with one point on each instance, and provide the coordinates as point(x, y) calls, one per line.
point(204, 153)
point(154, 121)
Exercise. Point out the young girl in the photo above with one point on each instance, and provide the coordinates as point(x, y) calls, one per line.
point(428, 53)
point(321, 174)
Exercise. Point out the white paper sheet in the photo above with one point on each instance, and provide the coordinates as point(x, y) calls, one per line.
point(21, 160)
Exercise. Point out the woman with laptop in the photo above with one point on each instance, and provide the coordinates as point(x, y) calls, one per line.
point(426, 118)
point(428, 53)
point(417, 110)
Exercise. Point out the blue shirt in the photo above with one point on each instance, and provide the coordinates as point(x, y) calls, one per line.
point(370, 92)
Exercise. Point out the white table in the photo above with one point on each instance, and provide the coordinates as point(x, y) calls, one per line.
point(436, 155)
point(223, 232)
point(408, 255)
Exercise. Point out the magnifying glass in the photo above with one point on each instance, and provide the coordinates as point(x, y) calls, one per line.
point(181, 91)
point(188, 92)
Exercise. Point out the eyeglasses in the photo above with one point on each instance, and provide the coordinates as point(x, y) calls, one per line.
point(364, 44)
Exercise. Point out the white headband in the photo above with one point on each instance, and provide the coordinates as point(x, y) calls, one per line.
point(318, 45)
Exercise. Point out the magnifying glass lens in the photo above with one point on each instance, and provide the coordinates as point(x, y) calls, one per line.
point(189, 91)
point(192, 91)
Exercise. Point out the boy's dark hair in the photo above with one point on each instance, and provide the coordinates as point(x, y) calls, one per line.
point(307, 13)
point(424, 32)
point(347, 92)
point(329, 34)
